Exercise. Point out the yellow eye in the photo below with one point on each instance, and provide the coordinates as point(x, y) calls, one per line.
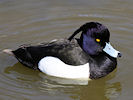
point(98, 40)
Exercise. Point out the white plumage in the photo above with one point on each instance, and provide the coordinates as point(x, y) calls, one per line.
point(55, 67)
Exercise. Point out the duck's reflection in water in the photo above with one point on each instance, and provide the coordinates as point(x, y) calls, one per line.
point(102, 89)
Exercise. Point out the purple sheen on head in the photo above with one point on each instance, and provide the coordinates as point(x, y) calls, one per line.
point(89, 45)
point(92, 31)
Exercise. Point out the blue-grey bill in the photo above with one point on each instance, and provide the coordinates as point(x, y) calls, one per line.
point(111, 51)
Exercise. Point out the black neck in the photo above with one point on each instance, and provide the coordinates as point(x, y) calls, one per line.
point(101, 64)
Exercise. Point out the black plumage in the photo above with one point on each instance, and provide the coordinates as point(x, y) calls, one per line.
point(68, 51)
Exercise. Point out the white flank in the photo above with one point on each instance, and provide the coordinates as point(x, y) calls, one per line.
point(55, 67)
point(110, 50)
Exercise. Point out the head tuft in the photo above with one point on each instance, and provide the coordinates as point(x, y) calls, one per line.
point(88, 28)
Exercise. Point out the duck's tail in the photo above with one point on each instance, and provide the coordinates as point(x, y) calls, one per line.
point(23, 57)
point(8, 51)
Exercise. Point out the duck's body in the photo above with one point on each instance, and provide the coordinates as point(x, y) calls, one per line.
point(85, 57)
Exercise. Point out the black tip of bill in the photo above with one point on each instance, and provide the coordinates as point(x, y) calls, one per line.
point(119, 55)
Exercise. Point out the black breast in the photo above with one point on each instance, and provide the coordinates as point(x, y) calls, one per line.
point(102, 65)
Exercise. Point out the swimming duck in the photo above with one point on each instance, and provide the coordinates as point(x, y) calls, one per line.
point(89, 57)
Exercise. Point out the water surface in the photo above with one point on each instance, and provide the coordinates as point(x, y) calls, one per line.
point(35, 21)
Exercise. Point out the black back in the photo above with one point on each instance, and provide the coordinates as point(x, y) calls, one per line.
point(69, 52)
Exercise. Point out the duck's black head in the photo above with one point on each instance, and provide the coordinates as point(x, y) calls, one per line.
point(95, 39)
